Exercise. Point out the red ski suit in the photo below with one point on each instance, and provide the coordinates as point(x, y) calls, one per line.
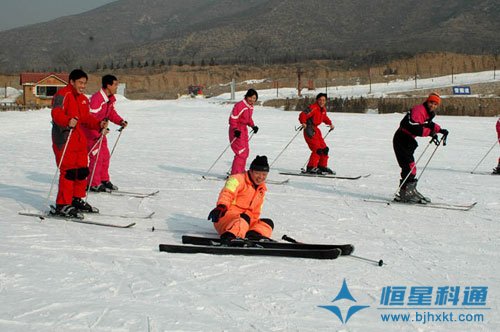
point(101, 107)
point(67, 104)
point(313, 116)
point(240, 195)
point(240, 119)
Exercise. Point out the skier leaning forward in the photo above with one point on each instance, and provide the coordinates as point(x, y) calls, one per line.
point(239, 120)
point(417, 122)
point(239, 205)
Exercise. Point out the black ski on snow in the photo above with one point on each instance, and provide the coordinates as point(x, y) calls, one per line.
point(445, 206)
point(252, 251)
point(346, 249)
point(329, 176)
point(224, 178)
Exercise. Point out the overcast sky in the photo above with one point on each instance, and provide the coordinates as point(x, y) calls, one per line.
point(18, 13)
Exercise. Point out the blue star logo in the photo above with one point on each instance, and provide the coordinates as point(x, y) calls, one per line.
point(344, 294)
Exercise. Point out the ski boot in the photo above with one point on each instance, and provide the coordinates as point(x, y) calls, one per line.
point(228, 239)
point(65, 211)
point(410, 194)
point(108, 185)
point(98, 189)
point(496, 170)
point(256, 236)
point(326, 170)
point(311, 170)
point(83, 206)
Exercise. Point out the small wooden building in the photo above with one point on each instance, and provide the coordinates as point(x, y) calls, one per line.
point(39, 88)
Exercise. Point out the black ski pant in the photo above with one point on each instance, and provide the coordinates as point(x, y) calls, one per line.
point(404, 147)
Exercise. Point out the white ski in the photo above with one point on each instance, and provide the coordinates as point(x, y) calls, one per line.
point(440, 205)
point(224, 178)
point(77, 220)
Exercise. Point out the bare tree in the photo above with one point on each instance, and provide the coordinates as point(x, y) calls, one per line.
point(66, 58)
point(259, 48)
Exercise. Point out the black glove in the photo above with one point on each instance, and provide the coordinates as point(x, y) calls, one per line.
point(430, 125)
point(237, 133)
point(435, 139)
point(255, 129)
point(217, 213)
point(444, 132)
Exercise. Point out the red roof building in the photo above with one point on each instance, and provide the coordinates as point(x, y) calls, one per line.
point(39, 88)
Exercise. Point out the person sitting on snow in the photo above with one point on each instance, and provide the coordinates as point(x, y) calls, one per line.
point(239, 205)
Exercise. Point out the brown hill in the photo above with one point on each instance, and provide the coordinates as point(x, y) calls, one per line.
point(250, 31)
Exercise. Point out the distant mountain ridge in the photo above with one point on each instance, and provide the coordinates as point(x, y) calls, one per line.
point(250, 31)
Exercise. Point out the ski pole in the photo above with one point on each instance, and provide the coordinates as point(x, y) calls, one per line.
point(116, 142)
point(379, 262)
point(216, 160)
point(307, 161)
point(298, 130)
point(414, 165)
point(487, 153)
point(99, 142)
point(222, 153)
point(58, 168)
point(443, 139)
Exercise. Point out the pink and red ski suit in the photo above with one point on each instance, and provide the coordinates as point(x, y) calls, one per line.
point(313, 116)
point(102, 107)
point(498, 134)
point(67, 104)
point(240, 119)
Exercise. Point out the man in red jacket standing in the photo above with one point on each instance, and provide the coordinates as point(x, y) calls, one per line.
point(102, 107)
point(70, 112)
point(310, 119)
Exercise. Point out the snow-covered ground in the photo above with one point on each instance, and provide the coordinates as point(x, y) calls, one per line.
point(378, 90)
point(63, 276)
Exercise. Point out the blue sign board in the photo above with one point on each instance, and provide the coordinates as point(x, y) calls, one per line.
point(461, 90)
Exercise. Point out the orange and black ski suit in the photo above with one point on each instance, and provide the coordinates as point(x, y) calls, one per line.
point(242, 197)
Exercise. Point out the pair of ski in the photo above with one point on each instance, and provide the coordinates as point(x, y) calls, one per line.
point(195, 244)
point(224, 178)
point(43, 215)
point(440, 205)
point(325, 175)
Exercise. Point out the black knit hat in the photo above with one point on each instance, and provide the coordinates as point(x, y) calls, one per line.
point(260, 164)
